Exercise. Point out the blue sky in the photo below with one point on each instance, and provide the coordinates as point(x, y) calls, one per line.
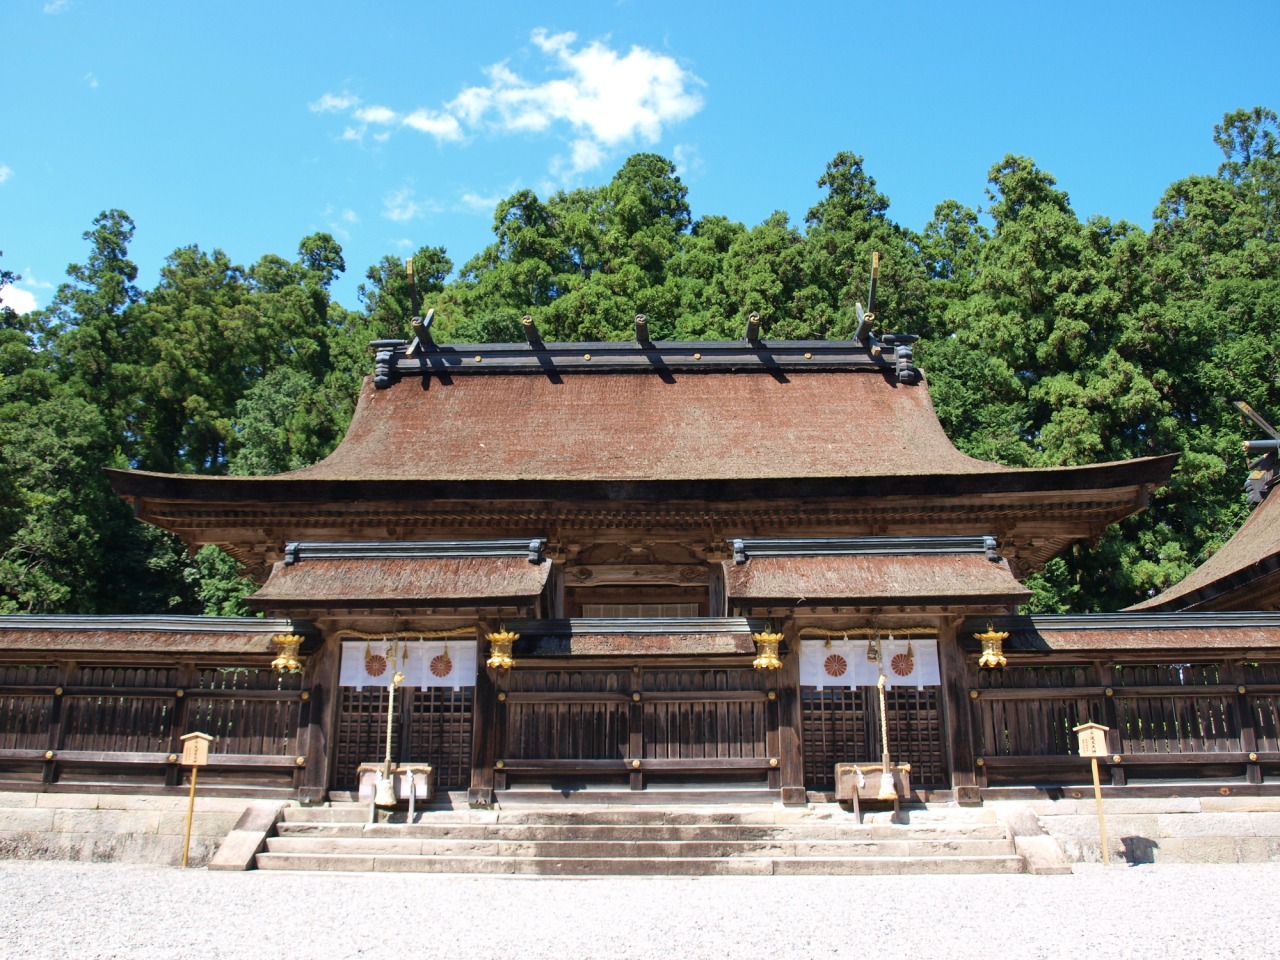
point(247, 126)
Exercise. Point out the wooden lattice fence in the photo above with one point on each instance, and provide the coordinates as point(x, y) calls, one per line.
point(121, 722)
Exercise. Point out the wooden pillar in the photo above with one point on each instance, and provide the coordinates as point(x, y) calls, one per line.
point(717, 598)
point(483, 727)
point(555, 591)
point(186, 681)
point(957, 715)
point(1111, 720)
point(1235, 673)
point(318, 719)
point(635, 729)
point(790, 720)
point(49, 774)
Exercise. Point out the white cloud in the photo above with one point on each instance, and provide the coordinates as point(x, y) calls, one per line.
point(375, 114)
point(442, 126)
point(334, 103)
point(57, 6)
point(338, 221)
point(587, 155)
point(688, 159)
point(23, 301)
point(6, 172)
point(403, 204)
point(613, 98)
point(476, 202)
point(91, 80)
point(599, 100)
point(29, 280)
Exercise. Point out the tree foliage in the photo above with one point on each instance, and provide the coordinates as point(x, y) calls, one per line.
point(1048, 340)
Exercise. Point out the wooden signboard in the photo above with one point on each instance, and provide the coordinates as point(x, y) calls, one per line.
point(1093, 739)
point(1093, 744)
point(195, 749)
point(195, 754)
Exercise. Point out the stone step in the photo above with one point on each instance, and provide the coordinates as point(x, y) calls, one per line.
point(764, 814)
point(505, 847)
point(427, 828)
point(638, 840)
point(850, 866)
point(605, 866)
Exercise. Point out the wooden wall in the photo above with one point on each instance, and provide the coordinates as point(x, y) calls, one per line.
point(1200, 718)
point(119, 721)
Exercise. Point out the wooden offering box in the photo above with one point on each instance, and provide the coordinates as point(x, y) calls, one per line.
point(856, 782)
point(423, 783)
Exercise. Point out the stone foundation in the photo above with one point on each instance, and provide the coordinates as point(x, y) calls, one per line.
point(112, 827)
point(1210, 829)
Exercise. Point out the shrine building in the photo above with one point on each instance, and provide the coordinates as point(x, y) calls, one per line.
point(649, 570)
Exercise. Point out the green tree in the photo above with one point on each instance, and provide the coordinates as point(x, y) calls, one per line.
point(75, 547)
point(94, 330)
point(281, 423)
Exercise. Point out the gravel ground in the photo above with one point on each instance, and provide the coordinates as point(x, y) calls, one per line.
point(50, 910)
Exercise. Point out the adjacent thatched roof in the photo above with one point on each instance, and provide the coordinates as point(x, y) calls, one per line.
point(168, 635)
point(437, 581)
point(1243, 575)
point(1180, 634)
point(922, 580)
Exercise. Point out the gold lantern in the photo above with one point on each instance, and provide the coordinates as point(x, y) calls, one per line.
point(500, 650)
point(992, 649)
point(767, 651)
point(287, 661)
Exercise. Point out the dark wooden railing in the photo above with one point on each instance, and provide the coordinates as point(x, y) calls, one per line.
point(116, 724)
point(637, 725)
point(1168, 721)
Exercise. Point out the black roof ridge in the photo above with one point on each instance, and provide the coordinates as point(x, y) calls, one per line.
point(157, 622)
point(746, 547)
point(296, 551)
point(654, 625)
point(892, 354)
point(1177, 620)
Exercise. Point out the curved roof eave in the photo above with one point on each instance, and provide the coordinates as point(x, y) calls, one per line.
point(285, 488)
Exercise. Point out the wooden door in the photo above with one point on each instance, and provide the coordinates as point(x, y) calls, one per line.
point(432, 725)
point(842, 725)
point(638, 724)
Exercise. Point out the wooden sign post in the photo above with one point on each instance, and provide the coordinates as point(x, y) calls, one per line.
point(195, 754)
point(1093, 744)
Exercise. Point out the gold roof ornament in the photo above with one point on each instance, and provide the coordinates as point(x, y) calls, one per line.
point(767, 651)
point(500, 650)
point(992, 647)
point(287, 660)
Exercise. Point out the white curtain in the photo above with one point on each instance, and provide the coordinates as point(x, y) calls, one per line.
point(424, 663)
point(841, 662)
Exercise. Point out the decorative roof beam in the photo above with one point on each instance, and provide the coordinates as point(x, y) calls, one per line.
point(531, 331)
point(640, 625)
point(392, 361)
point(745, 548)
point(298, 551)
point(422, 334)
point(863, 333)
